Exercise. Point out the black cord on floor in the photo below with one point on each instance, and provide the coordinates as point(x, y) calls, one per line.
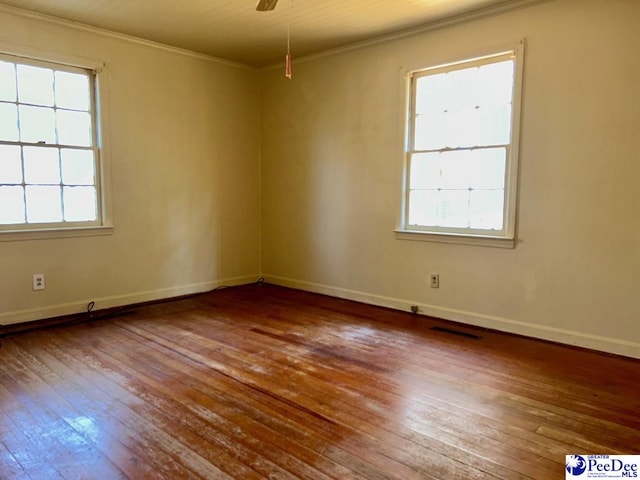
point(85, 317)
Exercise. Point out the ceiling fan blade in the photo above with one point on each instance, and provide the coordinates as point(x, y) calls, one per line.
point(266, 5)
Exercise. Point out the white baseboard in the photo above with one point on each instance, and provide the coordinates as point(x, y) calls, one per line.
point(604, 344)
point(21, 316)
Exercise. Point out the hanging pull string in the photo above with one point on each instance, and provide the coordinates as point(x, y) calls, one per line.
point(287, 62)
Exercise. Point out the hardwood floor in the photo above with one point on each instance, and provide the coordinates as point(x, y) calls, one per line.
point(266, 382)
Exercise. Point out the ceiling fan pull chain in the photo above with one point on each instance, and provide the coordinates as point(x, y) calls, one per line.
point(287, 58)
point(287, 66)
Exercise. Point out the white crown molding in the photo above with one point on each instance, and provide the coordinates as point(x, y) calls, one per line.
point(120, 36)
point(489, 11)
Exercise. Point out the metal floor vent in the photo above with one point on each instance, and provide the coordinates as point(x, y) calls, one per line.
point(456, 332)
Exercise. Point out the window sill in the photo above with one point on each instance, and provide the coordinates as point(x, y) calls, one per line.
point(48, 233)
point(477, 240)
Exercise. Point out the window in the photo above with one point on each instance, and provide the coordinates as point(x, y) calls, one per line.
point(49, 156)
point(462, 148)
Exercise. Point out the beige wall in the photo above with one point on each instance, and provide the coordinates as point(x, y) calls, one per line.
point(184, 142)
point(332, 178)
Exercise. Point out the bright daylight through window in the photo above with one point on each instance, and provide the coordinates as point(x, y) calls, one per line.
point(48, 149)
point(462, 148)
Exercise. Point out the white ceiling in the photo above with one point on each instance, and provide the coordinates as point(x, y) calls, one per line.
point(233, 30)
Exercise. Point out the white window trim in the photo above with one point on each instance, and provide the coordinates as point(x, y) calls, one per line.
point(103, 173)
point(470, 237)
point(47, 233)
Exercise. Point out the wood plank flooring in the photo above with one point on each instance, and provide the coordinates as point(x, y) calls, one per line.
point(265, 382)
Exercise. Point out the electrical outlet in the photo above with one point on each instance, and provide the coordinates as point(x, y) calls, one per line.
point(434, 280)
point(38, 281)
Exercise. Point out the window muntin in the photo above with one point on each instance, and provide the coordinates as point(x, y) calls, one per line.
point(49, 170)
point(461, 148)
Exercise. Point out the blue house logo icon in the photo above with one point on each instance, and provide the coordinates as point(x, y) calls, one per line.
point(576, 465)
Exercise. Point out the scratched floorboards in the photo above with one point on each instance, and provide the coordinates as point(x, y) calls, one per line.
point(266, 382)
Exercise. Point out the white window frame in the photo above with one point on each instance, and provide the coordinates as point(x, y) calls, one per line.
point(103, 225)
point(506, 237)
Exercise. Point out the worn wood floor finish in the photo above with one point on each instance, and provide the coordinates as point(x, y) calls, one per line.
point(266, 382)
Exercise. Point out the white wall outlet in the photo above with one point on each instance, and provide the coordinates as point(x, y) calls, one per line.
point(38, 281)
point(434, 280)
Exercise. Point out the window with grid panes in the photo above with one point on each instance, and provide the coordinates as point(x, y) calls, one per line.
point(49, 175)
point(462, 148)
